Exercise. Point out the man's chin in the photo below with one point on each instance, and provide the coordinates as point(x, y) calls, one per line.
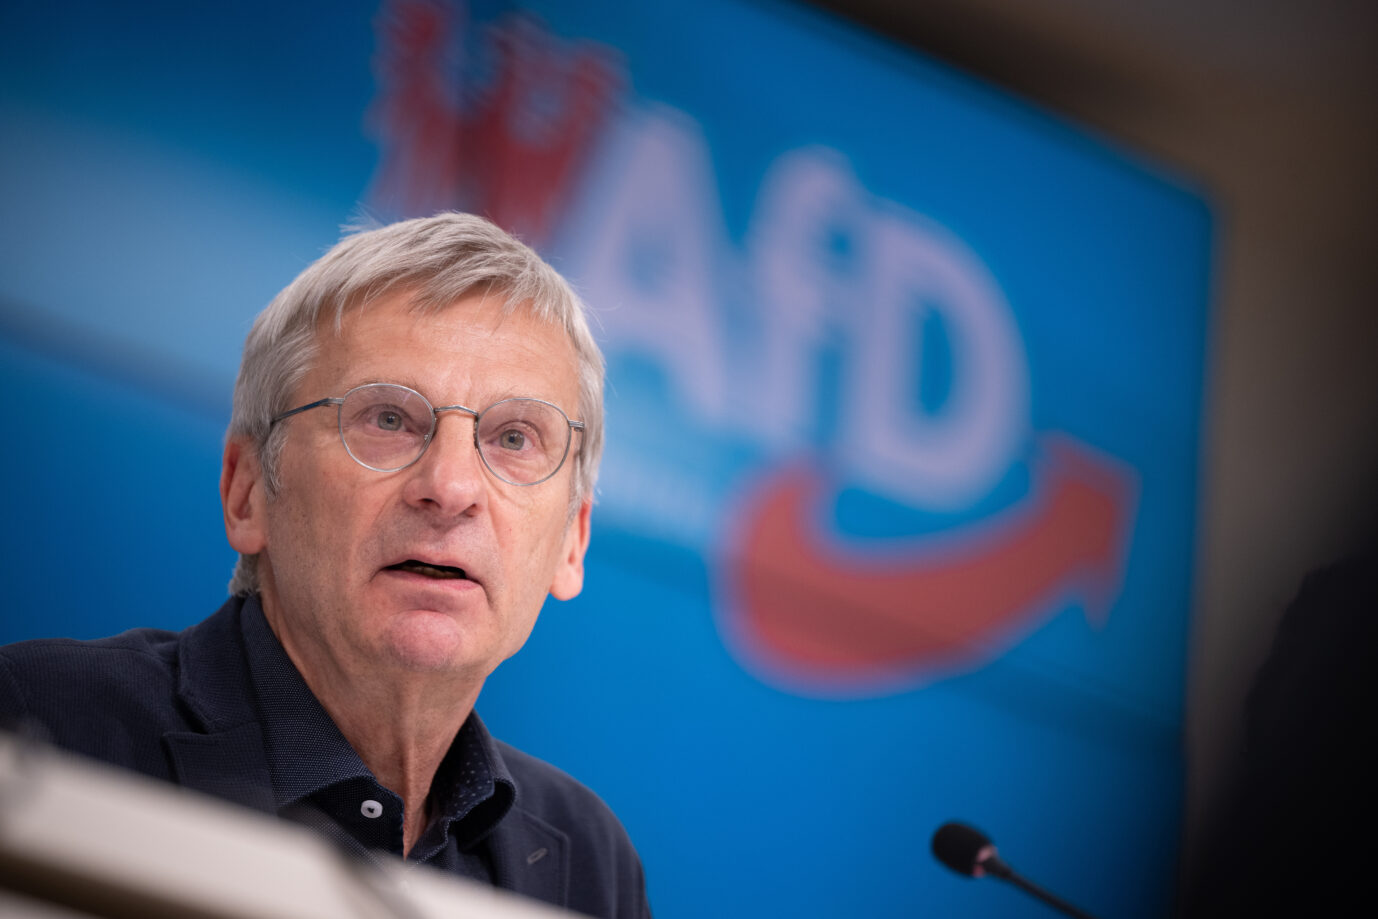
point(428, 641)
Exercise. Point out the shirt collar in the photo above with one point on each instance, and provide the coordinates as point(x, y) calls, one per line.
point(473, 789)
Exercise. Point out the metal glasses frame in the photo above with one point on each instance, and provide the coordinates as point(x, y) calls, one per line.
point(338, 401)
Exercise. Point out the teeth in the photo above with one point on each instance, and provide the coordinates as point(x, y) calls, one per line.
point(431, 571)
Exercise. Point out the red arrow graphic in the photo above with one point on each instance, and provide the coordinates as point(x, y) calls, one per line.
point(817, 609)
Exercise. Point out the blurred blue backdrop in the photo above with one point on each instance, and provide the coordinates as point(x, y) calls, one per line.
point(896, 520)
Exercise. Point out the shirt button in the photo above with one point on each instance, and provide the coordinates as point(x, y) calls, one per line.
point(371, 809)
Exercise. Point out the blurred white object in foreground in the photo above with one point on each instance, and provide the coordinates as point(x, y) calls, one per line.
point(81, 839)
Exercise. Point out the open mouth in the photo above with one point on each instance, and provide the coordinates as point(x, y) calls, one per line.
point(440, 572)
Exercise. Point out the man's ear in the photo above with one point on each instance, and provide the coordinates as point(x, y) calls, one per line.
point(569, 574)
point(243, 498)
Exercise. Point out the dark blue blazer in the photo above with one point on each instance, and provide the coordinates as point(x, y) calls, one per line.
point(178, 706)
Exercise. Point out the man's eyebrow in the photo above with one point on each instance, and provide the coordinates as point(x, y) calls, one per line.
point(411, 383)
point(355, 383)
point(502, 396)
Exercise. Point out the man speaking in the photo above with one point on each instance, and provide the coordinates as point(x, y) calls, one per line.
point(408, 473)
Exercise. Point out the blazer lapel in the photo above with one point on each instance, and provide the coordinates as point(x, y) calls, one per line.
point(229, 764)
point(226, 758)
point(531, 858)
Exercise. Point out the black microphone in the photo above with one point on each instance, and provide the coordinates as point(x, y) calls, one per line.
point(968, 851)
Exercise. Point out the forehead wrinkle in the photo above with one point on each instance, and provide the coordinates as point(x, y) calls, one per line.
point(412, 383)
point(482, 393)
point(517, 354)
point(443, 338)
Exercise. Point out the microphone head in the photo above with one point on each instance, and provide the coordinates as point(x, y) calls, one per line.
point(963, 848)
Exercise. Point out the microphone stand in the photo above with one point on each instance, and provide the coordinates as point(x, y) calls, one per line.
point(995, 867)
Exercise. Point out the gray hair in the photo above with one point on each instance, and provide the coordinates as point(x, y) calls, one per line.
point(439, 260)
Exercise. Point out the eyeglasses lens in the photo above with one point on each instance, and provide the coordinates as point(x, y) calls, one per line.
point(385, 427)
point(523, 440)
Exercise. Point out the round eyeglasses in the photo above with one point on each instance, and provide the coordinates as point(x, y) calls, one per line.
point(386, 427)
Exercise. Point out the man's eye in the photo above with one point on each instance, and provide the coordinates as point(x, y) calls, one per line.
point(512, 439)
point(387, 420)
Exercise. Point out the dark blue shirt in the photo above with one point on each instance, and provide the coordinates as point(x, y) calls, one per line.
point(319, 780)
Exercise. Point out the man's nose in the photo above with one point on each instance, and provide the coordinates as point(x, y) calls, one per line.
point(449, 477)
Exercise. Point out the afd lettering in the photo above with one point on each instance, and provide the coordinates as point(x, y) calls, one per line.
point(826, 267)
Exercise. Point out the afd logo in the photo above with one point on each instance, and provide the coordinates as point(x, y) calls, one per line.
point(842, 343)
